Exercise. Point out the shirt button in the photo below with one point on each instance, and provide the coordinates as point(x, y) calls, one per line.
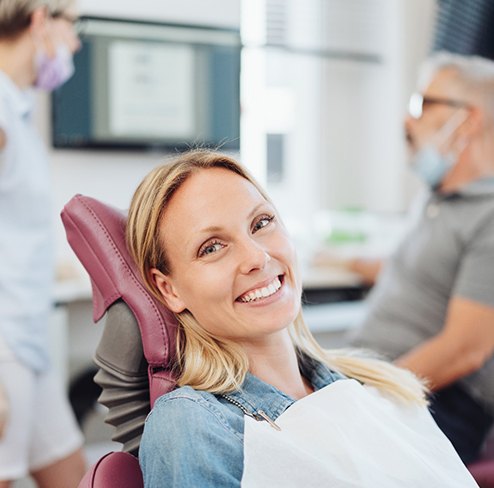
point(432, 210)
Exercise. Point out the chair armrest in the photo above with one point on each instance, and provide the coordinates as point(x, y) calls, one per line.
point(114, 470)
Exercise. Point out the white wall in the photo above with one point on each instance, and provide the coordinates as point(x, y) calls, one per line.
point(113, 176)
point(418, 22)
point(365, 107)
point(361, 106)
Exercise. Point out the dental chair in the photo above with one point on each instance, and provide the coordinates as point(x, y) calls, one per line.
point(136, 353)
point(137, 349)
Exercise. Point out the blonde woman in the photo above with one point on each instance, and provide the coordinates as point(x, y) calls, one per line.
point(259, 403)
point(40, 436)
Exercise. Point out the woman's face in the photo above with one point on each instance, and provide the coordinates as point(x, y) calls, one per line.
point(62, 31)
point(233, 263)
point(51, 31)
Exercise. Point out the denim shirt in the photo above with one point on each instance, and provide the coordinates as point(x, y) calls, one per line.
point(195, 439)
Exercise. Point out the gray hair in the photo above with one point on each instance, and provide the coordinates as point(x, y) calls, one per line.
point(15, 15)
point(474, 77)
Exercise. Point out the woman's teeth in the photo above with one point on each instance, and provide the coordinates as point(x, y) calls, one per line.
point(267, 291)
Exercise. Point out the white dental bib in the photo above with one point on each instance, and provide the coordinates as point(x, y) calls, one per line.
point(349, 435)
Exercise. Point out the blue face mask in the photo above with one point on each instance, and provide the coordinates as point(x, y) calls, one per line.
point(428, 162)
point(432, 166)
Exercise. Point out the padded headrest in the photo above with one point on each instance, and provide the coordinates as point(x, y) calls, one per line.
point(96, 233)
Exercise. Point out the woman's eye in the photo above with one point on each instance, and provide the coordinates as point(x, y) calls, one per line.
point(210, 248)
point(262, 222)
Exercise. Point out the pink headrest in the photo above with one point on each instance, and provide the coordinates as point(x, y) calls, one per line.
point(96, 233)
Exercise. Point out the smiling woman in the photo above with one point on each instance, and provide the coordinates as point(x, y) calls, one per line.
point(213, 248)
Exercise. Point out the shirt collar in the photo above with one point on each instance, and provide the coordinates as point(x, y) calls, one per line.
point(256, 395)
point(22, 99)
point(481, 187)
point(478, 188)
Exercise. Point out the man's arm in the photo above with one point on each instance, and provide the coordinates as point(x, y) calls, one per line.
point(463, 346)
point(367, 268)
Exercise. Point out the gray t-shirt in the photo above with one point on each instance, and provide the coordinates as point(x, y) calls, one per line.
point(448, 253)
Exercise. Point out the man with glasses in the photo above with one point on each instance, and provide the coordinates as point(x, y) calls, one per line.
point(432, 308)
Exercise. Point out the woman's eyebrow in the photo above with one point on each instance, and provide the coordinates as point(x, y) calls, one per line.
point(217, 228)
point(212, 229)
point(256, 208)
point(192, 242)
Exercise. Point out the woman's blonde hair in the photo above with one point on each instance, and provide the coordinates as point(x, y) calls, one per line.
point(15, 15)
point(210, 363)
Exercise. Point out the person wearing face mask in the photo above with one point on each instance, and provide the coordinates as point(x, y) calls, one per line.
point(40, 435)
point(432, 307)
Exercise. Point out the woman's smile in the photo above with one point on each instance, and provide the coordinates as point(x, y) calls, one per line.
point(262, 292)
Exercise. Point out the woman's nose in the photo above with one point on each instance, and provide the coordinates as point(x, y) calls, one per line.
point(77, 45)
point(254, 257)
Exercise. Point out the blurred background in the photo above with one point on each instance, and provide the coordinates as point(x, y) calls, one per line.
point(309, 94)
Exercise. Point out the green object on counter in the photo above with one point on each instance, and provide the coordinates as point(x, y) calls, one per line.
point(346, 237)
point(347, 227)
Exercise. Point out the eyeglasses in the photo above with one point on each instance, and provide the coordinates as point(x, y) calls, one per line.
point(419, 101)
point(77, 24)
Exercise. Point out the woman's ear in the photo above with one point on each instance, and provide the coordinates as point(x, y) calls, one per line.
point(164, 283)
point(473, 124)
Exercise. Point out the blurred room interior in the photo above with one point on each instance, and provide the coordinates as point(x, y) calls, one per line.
point(323, 89)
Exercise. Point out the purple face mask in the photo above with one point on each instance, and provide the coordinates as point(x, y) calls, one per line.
point(53, 72)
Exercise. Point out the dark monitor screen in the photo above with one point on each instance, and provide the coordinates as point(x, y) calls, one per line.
point(149, 85)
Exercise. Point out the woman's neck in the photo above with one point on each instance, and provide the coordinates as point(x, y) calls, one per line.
point(17, 61)
point(275, 362)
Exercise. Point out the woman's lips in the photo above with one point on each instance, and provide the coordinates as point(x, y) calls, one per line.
point(262, 292)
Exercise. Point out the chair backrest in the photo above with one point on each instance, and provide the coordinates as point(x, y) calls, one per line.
point(96, 233)
point(139, 331)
